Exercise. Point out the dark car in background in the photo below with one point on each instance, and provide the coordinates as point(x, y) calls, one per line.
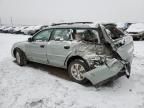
point(136, 31)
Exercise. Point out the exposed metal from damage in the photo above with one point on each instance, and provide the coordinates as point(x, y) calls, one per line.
point(113, 66)
point(107, 70)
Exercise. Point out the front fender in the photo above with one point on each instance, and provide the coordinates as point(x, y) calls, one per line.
point(20, 45)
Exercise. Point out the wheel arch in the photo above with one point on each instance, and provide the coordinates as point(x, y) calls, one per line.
point(72, 58)
point(15, 49)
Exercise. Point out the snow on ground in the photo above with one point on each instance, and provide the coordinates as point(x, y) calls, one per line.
point(40, 86)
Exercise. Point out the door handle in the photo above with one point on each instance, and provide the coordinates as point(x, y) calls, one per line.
point(66, 47)
point(42, 46)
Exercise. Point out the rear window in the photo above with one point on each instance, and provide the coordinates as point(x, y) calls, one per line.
point(90, 35)
point(114, 33)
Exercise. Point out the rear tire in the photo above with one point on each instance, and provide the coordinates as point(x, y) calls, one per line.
point(76, 69)
point(20, 57)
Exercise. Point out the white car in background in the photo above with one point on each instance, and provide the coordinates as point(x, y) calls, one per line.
point(9, 29)
point(27, 31)
point(2, 28)
point(32, 29)
point(17, 30)
point(136, 31)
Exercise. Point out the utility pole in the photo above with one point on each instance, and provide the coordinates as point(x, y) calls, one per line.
point(0, 21)
point(11, 20)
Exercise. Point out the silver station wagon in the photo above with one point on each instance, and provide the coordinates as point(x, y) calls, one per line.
point(89, 51)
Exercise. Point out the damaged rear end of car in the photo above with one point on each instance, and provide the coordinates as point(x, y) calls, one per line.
point(113, 57)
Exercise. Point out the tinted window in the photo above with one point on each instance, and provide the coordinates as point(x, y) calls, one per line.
point(63, 34)
point(90, 35)
point(43, 35)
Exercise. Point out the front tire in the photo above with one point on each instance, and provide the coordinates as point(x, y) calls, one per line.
point(76, 69)
point(20, 58)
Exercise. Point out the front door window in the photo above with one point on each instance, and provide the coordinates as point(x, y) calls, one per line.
point(61, 34)
point(42, 36)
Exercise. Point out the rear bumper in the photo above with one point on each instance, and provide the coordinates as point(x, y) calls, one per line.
point(112, 68)
point(118, 75)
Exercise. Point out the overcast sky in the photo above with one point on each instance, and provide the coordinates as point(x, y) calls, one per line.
point(46, 11)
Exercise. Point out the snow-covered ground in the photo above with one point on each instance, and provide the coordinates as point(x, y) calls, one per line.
point(39, 86)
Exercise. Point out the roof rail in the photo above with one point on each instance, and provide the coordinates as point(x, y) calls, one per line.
point(55, 24)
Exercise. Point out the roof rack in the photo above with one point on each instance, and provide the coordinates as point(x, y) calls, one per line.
point(55, 24)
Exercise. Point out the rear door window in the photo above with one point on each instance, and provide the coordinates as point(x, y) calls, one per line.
point(90, 35)
point(62, 34)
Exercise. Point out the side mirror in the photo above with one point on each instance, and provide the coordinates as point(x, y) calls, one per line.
point(30, 39)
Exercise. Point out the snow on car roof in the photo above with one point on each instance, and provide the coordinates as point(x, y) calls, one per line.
point(138, 27)
point(76, 25)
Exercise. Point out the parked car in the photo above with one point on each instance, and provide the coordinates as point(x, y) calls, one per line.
point(17, 30)
point(11, 30)
point(1, 28)
point(32, 29)
point(136, 31)
point(4, 29)
point(28, 30)
point(22, 29)
point(87, 51)
point(8, 29)
point(38, 28)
